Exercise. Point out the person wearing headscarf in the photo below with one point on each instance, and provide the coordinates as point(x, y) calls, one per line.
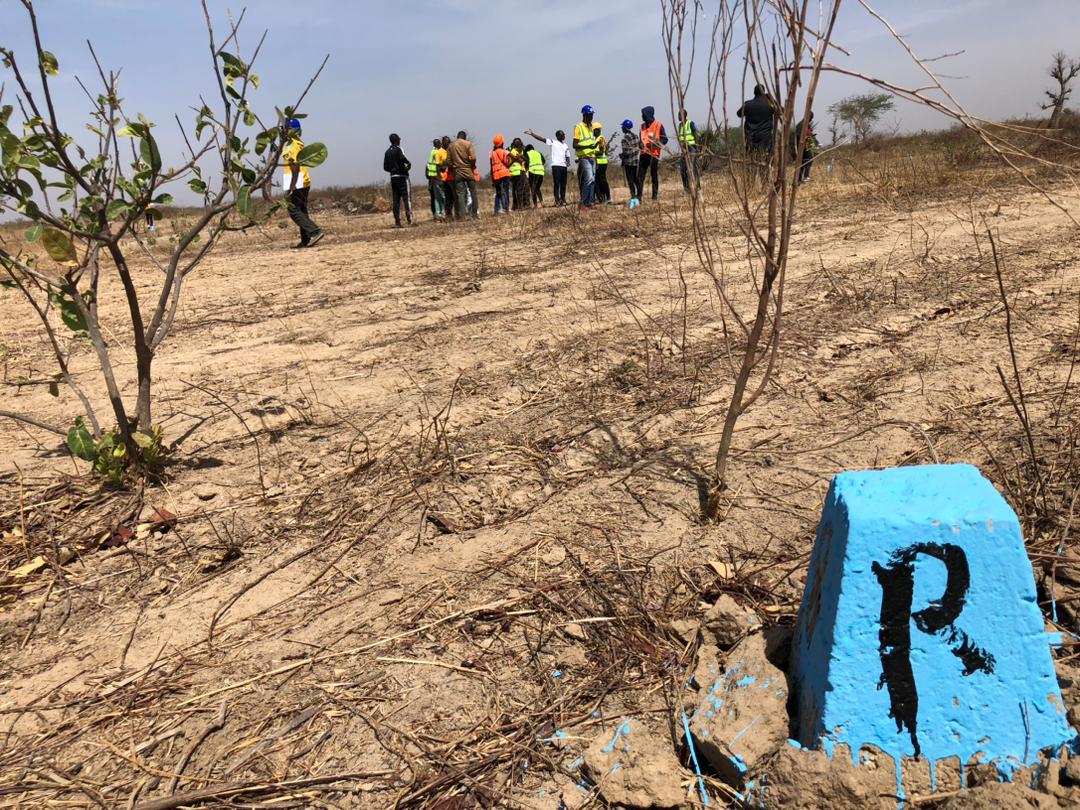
point(653, 137)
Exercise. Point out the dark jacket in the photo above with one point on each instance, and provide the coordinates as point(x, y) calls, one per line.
point(758, 117)
point(395, 162)
point(797, 138)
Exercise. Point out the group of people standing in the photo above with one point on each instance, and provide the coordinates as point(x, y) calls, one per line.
point(517, 173)
point(758, 115)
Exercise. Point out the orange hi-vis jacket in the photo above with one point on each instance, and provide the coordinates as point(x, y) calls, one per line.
point(500, 162)
point(650, 138)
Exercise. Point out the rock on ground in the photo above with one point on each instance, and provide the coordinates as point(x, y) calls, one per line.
point(636, 767)
point(798, 778)
point(728, 621)
point(742, 716)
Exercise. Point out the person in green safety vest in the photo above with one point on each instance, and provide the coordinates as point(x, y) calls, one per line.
point(536, 174)
point(585, 150)
point(436, 157)
point(603, 190)
point(519, 175)
point(689, 158)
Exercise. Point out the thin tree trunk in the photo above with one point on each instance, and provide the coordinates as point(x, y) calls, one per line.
point(716, 486)
point(1055, 116)
point(142, 404)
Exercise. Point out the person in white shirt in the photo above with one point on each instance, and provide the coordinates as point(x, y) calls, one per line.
point(560, 162)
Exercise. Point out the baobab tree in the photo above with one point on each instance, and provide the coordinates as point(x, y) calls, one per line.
point(1062, 70)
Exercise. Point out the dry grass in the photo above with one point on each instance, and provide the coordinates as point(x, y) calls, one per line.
point(449, 553)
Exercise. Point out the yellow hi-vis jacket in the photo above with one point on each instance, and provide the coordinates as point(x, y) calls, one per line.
point(586, 147)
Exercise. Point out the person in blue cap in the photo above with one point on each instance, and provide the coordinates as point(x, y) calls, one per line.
point(296, 183)
point(585, 149)
point(629, 157)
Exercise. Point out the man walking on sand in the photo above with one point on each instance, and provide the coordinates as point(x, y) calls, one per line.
point(462, 159)
point(296, 182)
point(398, 166)
point(560, 163)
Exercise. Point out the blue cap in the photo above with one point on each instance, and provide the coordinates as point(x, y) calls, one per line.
point(292, 123)
point(627, 124)
point(587, 110)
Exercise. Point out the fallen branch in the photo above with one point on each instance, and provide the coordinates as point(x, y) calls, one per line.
point(18, 417)
point(214, 725)
point(238, 788)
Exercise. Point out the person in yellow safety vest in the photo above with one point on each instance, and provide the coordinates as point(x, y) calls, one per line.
point(519, 176)
point(296, 183)
point(434, 182)
point(585, 149)
point(536, 175)
point(603, 190)
point(688, 143)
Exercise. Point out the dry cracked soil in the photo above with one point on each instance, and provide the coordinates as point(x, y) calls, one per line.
point(437, 491)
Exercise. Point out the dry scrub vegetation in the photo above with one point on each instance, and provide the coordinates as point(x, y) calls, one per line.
point(432, 517)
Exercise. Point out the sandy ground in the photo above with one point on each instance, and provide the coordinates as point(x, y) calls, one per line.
point(439, 489)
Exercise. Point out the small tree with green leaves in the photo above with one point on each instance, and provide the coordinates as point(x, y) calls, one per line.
point(859, 113)
point(84, 196)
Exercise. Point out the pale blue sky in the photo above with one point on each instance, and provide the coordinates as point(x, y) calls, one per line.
point(429, 67)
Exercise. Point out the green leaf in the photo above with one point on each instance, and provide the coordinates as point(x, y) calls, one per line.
point(254, 79)
point(33, 233)
point(70, 313)
point(233, 64)
point(143, 441)
point(59, 247)
point(264, 139)
point(197, 185)
point(80, 442)
point(312, 155)
point(54, 389)
point(243, 201)
point(249, 118)
point(49, 64)
point(163, 199)
point(116, 209)
point(149, 150)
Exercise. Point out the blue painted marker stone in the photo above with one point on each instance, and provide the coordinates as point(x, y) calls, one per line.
point(919, 631)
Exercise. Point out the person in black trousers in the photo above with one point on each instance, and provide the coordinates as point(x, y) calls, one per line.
point(630, 157)
point(296, 183)
point(398, 166)
point(653, 137)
